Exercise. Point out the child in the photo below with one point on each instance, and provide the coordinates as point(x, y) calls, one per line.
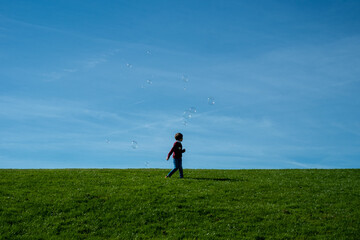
point(177, 152)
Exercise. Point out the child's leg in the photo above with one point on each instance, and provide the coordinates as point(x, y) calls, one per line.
point(180, 168)
point(176, 167)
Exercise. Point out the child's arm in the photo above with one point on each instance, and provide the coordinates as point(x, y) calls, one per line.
point(171, 151)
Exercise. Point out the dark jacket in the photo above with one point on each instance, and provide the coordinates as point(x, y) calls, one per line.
point(176, 150)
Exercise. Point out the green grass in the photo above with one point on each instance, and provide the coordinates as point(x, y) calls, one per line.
point(207, 204)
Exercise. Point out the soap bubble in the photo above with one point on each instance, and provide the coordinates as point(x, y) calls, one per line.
point(147, 163)
point(148, 52)
point(211, 100)
point(184, 88)
point(134, 144)
point(187, 114)
point(185, 78)
point(129, 65)
point(107, 140)
point(148, 83)
point(192, 110)
point(184, 123)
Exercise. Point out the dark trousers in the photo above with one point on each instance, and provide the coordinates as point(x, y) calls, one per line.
point(177, 165)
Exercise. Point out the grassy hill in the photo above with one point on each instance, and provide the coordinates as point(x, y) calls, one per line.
point(207, 204)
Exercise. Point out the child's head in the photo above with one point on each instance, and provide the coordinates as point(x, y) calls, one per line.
point(179, 136)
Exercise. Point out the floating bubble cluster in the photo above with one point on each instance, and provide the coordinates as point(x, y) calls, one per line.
point(188, 114)
point(211, 100)
point(134, 144)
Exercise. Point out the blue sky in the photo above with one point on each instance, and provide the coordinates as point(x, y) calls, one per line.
point(81, 80)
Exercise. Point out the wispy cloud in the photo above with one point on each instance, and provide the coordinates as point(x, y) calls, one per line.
point(293, 72)
point(352, 127)
point(61, 124)
point(83, 65)
point(42, 27)
point(302, 165)
point(70, 70)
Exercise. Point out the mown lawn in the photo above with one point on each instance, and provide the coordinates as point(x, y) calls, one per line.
point(207, 204)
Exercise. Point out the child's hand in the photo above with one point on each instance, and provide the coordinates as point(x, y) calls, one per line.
point(167, 158)
point(184, 150)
